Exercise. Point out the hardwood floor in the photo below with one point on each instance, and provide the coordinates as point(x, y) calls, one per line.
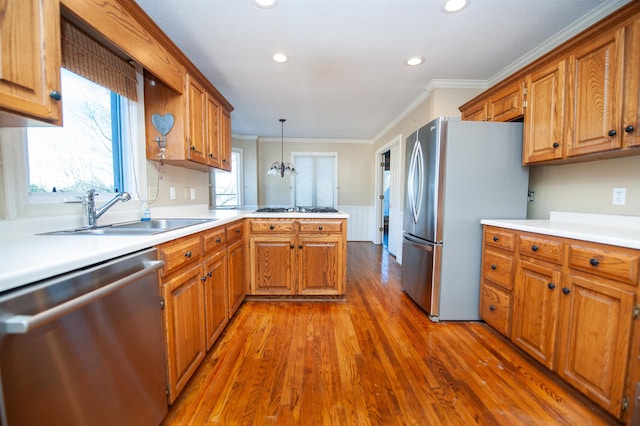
point(374, 359)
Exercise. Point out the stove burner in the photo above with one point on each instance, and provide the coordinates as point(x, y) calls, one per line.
point(296, 210)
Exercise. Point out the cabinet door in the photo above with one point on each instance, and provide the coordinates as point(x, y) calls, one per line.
point(216, 302)
point(320, 265)
point(272, 264)
point(596, 332)
point(631, 121)
point(30, 58)
point(213, 132)
point(507, 104)
point(595, 81)
point(183, 314)
point(196, 106)
point(225, 140)
point(236, 282)
point(544, 114)
point(536, 293)
point(476, 112)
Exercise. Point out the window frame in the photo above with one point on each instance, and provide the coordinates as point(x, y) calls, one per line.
point(332, 154)
point(239, 173)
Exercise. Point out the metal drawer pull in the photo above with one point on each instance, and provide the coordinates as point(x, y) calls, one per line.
point(594, 261)
point(551, 286)
point(495, 238)
point(320, 228)
point(188, 255)
point(492, 308)
point(494, 267)
point(21, 324)
point(272, 227)
point(218, 240)
point(566, 290)
point(534, 247)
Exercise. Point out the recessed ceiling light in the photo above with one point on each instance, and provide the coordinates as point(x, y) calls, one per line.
point(415, 60)
point(265, 4)
point(452, 6)
point(280, 58)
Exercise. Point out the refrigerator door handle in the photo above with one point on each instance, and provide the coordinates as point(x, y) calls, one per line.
point(416, 172)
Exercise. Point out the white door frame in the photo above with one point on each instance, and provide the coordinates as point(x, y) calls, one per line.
point(396, 176)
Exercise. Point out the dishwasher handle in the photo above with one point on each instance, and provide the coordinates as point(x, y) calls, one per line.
point(22, 324)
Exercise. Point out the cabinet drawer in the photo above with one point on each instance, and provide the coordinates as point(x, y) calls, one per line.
point(499, 238)
point(495, 308)
point(619, 265)
point(234, 232)
point(180, 252)
point(541, 248)
point(272, 226)
point(498, 268)
point(214, 240)
point(317, 226)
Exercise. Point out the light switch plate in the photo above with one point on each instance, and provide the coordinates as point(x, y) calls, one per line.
point(619, 196)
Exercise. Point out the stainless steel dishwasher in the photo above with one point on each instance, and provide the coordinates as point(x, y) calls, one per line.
point(85, 348)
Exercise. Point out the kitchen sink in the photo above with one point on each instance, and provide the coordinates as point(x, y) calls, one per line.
point(150, 227)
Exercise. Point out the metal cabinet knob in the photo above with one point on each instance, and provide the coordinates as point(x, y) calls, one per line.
point(612, 132)
point(594, 262)
point(193, 147)
point(534, 247)
point(494, 267)
point(218, 240)
point(272, 227)
point(209, 274)
point(320, 228)
point(556, 144)
point(300, 246)
point(566, 290)
point(55, 95)
point(495, 238)
point(551, 286)
point(187, 255)
point(492, 308)
point(629, 129)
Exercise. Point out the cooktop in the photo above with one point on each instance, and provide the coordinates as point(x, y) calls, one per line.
point(296, 210)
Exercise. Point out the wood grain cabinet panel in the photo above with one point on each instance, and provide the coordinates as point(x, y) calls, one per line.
point(544, 114)
point(596, 326)
point(236, 258)
point(184, 317)
point(498, 268)
point(495, 307)
point(196, 123)
point(214, 134)
point(617, 264)
point(631, 107)
point(535, 311)
point(595, 84)
point(30, 61)
point(178, 253)
point(225, 139)
point(320, 264)
point(499, 238)
point(542, 248)
point(216, 300)
point(476, 112)
point(507, 104)
point(272, 264)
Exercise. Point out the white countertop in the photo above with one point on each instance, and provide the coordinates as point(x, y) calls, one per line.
point(26, 257)
point(623, 231)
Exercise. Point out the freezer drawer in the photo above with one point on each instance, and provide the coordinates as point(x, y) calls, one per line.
point(420, 274)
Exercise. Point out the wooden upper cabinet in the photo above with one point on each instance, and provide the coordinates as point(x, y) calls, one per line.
point(631, 107)
point(196, 107)
point(544, 114)
point(30, 61)
point(594, 98)
point(214, 141)
point(225, 140)
point(508, 103)
point(476, 112)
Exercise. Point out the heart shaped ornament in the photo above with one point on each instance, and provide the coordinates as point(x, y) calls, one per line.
point(162, 123)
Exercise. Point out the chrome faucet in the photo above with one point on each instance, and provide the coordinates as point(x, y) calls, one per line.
point(89, 211)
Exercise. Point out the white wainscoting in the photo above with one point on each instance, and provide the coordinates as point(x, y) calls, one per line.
point(361, 222)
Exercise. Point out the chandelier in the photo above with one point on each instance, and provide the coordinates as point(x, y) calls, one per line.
point(280, 167)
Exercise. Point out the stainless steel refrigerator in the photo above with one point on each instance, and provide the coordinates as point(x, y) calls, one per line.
point(457, 172)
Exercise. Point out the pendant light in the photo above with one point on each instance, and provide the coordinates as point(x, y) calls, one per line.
point(280, 167)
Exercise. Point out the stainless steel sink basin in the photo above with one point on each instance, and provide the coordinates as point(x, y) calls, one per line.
point(154, 226)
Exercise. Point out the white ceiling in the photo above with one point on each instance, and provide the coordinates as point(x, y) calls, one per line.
point(346, 77)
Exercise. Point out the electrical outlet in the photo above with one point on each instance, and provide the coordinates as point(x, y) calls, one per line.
point(172, 192)
point(619, 196)
point(152, 192)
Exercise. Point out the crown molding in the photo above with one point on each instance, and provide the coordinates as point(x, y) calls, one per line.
point(316, 140)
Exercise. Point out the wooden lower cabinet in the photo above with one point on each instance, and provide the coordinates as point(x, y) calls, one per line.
point(297, 257)
point(184, 316)
point(535, 311)
point(237, 286)
point(216, 298)
point(574, 309)
point(596, 335)
point(320, 265)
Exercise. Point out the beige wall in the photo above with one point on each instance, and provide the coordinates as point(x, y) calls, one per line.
point(585, 187)
point(249, 148)
point(355, 171)
point(182, 179)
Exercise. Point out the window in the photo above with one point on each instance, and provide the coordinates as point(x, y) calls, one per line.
point(228, 185)
point(315, 181)
point(87, 151)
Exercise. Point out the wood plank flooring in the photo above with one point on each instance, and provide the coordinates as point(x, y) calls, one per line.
point(374, 359)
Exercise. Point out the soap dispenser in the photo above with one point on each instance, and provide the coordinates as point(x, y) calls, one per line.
point(146, 211)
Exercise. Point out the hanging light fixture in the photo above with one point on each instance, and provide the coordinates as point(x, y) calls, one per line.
point(280, 167)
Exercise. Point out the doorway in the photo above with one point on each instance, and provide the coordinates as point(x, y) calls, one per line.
point(386, 193)
point(389, 197)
